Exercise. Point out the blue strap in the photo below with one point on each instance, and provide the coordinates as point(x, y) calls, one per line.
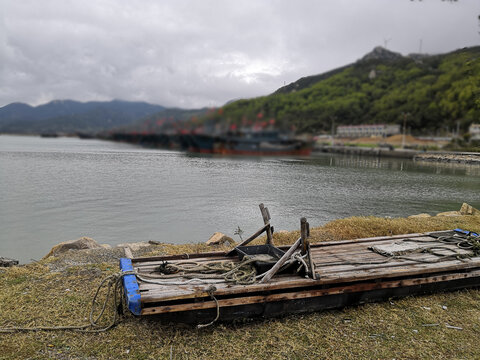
point(130, 285)
point(465, 232)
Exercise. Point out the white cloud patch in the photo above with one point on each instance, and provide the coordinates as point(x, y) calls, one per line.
point(190, 53)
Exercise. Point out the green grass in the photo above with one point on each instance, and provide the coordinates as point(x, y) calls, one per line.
point(391, 329)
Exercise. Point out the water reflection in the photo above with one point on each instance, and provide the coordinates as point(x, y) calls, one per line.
point(363, 162)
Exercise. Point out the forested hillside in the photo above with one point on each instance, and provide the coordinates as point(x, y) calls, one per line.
point(435, 91)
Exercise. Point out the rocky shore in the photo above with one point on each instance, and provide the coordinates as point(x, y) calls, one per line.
point(462, 158)
point(86, 251)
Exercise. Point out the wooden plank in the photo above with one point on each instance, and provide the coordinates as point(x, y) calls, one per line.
point(266, 221)
point(282, 261)
point(289, 282)
point(128, 252)
point(362, 246)
point(405, 270)
point(376, 261)
point(185, 256)
point(303, 235)
point(371, 239)
point(312, 272)
point(283, 282)
point(314, 246)
point(307, 293)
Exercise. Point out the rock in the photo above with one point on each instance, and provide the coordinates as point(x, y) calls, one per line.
point(136, 246)
point(423, 215)
point(6, 262)
point(219, 239)
point(79, 244)
point(468, 210)
point(449, 213)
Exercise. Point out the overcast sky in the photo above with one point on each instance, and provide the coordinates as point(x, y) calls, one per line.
point(194, 53)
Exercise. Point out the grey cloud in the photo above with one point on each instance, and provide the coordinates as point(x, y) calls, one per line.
point(191, 53)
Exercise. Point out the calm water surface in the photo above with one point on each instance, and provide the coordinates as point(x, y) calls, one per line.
point(60, 189)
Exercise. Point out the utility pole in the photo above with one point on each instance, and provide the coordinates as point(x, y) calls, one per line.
point(405, 114)
point(385, 42)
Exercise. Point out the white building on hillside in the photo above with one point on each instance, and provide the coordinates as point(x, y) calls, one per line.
point(367, 130)
point(474, 130)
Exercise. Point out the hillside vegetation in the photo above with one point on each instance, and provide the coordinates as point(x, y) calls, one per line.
point(436, 92)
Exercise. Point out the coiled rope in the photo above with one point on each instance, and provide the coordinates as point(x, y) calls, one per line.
point(113, 283)
point(240, 273)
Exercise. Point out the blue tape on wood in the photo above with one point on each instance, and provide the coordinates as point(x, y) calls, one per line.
point(130, 286)
point(466, 232)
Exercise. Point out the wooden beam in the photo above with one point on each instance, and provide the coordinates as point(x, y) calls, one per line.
point(280, 262)
point(312, 272)
point(303, 234)
point(128, 252)
point(266, 221)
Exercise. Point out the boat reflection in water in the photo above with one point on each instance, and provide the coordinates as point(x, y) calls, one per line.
point(257, 143)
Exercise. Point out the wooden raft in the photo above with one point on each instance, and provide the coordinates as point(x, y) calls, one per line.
point(347, 273)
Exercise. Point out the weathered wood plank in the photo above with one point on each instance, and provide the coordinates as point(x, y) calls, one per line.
point(323, 256)
point(282, 261)
point(307, 293)
point(266, 221)
point(289, 282)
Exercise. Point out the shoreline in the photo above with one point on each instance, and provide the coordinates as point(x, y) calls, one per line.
point(97, 253)
point(450, 157)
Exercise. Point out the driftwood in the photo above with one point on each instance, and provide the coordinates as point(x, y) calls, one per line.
point(6, 262)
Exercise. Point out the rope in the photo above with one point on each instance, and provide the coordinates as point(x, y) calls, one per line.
point(211, 290)
point(242, 273)
point(113, 286)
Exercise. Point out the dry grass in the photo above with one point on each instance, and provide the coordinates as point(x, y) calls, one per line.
point(34, 295)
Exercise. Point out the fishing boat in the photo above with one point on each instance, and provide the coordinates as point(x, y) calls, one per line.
point(250, 143)
point(265, 280)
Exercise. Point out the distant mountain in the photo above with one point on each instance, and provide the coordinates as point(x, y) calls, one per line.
point(435, 91)
point(67, 116)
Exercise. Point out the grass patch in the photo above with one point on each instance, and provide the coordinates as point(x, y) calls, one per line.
point(392, 329)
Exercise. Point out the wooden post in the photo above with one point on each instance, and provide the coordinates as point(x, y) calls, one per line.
point(269, 274)
point(266, 221)
point(304, 232)
point(312, 272)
